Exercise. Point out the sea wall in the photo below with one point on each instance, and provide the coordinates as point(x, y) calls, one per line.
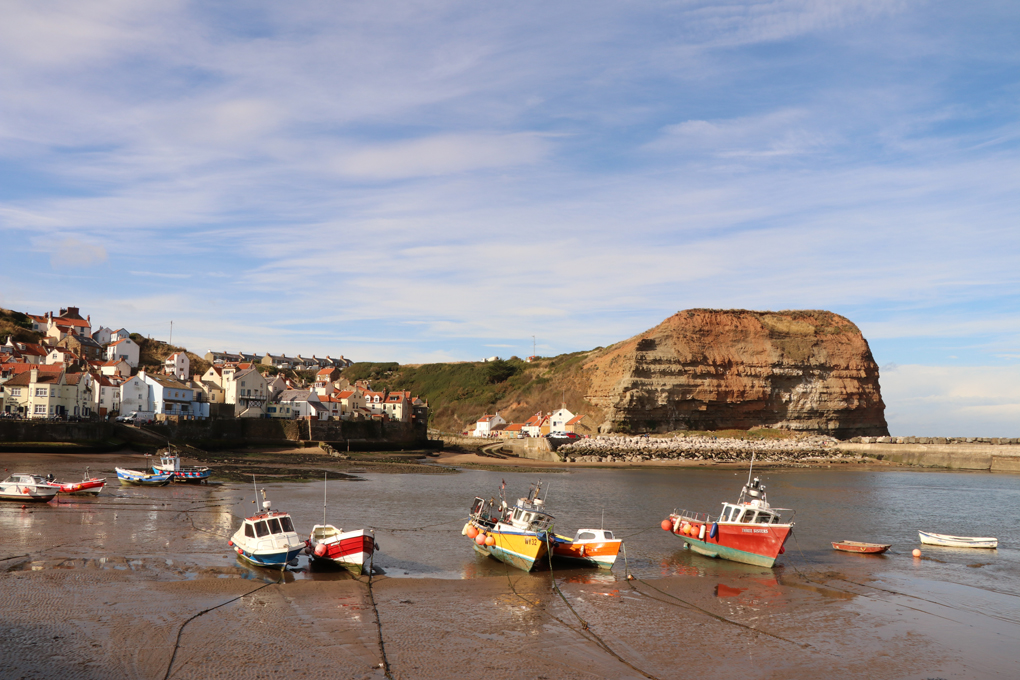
point(36, 431)
point(960, 455)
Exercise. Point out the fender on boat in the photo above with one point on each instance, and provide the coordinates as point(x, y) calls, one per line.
point(715, 530)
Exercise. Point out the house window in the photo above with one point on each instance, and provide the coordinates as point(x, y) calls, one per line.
point(15, 391)
point(40, 409)
point(40, 391)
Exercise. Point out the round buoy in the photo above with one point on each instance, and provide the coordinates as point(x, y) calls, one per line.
point(480, 539)
point(230, 543)
point(23, 507)
point(666, 525)
point(463, 531)
point(472, 531)
point(917, 552)
point(320, 550)
point(490, 540)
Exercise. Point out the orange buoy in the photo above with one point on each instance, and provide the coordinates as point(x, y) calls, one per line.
point(490, 540)
point(917, 552)
point(666, 525)
point(321, 550)
point(480, 539)
point(472, 531)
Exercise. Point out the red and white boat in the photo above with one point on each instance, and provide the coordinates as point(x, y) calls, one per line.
point(749, 531)
point(25, 487)
point(88, 486)
point(351, 550)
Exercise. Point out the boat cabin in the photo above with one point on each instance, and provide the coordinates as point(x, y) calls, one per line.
point(27, 480)
point(529, 515)
point(751, 508)
point(587, 535)
point(265, 525)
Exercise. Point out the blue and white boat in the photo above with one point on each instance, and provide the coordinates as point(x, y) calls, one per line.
point(143, 478)
point(267, 539)
point(171, 462)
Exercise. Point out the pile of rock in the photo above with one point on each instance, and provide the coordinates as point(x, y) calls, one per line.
point(606, 449)
point(333, 452)
point(936, 440)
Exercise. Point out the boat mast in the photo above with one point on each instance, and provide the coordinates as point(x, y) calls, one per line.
point(750, 469)
point(324, 476)
point(256, 501)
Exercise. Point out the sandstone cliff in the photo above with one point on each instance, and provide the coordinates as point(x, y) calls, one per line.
point(706, 369)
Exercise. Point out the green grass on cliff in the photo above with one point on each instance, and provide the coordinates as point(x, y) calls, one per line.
point(16, 325)
point(459, 393)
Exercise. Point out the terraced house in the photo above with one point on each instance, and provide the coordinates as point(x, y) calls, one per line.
point(38, 394)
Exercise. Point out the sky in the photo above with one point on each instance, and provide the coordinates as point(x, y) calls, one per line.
point(433, 181)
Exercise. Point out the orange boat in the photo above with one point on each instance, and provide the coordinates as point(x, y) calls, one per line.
point(862, 548)
point(591, 547)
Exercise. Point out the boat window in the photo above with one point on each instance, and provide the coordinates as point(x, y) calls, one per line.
point(274, 526)
point(287, 524)
point(764, 517)
point(261, 529)
point(725, 515)
point(608, 535)
point(249, 530)
point(585, 536)
point(775, 519)
point(748, 516)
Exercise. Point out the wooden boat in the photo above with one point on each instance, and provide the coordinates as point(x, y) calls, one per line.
point(515, 535)
point(23, 488)
point(863, 548)
point(88, 486)
point(589, 547)
point(170, 461)
point(267, 539)
point(143, 478)
point(350, 550)
point(749, 531)
point(948, 541)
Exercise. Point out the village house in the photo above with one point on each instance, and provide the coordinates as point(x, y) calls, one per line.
point(536, 425)
point(60, 355)
point(119, 334)
point(106, 395)
point(178, 365)
point(292, 404)
point(352, 404)
point(126, 349)
point(29, 352)
point(487, 425)
point(559, 418)
point(247, 390)
point(68, 322)
point(275, 361)
point(103, 335)
point(375, 402)
point(134, 396)
point(221, 357)
point(82, 345)
point(170, 397)
point(116, 367)
point(398, 406)
point(43, 394)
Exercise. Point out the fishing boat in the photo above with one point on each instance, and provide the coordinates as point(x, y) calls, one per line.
point(267, 538)
point(589, 547)
point(143, 478)
point(749, 531)
point(515, 535)
point(862, 548)
point(350, 550)
point(170, 461)
point(948, 541)
point(88, 486)
point(25, 487)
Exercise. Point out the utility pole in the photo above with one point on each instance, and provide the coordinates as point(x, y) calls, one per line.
point(171, 332)
point(533, 345)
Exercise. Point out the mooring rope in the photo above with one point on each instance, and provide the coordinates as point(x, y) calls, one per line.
point(378, 620)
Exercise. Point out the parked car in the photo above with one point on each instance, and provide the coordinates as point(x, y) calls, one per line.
point(563, 435)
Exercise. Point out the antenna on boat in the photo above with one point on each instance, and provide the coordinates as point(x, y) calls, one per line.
point(256, 501)
point(324, 477)
point(750, 469)
point(603, 525)
point(546, 497)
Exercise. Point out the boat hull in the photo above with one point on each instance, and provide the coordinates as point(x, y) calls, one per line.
point(350, 550)
point(947, 541)
point(25, 494)
point(861, 548)
point(186, 475)
point(87, 487)
point(142, 478)
point(757, 544)
point(515, 548)
point(268, 559)
point(601, 554)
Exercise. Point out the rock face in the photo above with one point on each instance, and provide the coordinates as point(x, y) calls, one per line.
point(706, 369)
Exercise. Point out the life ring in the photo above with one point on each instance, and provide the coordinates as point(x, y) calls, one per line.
point(715, 530)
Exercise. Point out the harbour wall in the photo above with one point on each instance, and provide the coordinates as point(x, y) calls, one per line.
point(956, 456)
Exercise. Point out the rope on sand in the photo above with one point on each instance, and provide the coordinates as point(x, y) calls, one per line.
point(378, 621)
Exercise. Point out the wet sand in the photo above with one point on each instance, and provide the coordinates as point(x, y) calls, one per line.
point(101, 588)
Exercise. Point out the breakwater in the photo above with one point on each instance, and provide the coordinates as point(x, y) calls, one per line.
point(604, 449)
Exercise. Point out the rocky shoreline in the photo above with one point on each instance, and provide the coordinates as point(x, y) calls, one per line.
point(603, 449)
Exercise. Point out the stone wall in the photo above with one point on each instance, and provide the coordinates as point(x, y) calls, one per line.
point(35, 431)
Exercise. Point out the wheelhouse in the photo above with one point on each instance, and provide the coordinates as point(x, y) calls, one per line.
point(748, 514)
point(267, 525)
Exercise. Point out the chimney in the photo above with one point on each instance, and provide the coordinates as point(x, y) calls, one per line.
point(33, 375)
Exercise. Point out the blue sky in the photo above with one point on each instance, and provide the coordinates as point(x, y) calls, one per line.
point(435, 181)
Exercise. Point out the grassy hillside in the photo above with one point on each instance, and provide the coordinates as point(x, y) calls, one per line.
point(17, 325)
point(152, 353)
point(459, 393)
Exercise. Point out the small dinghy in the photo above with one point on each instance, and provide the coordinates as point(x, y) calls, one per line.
point(947, 541)
point(88, 486)
point(348, 549)
point(862, 548)
point(589, 547)
point(143, 478)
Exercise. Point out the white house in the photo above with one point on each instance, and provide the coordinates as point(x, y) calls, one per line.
point(116, 367)
point(59, 355)
point(298, 404)
point(178, 365)
point(170, 397)
point(398, 406)
point(487, 424)
point(102, 335)
point(558, 420)
point(375, 402)
point(106, 395)
point(247, 390)
point(134, 396)
point(119, 335)
point(126, 349)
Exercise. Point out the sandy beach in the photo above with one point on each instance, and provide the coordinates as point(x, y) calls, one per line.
point(141, 584)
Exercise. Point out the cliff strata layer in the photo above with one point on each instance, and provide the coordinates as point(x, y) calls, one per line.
point(705, 369)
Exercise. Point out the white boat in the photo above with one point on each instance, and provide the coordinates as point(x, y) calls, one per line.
point(948, 541)
point(23, 487)
point(267, 539)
